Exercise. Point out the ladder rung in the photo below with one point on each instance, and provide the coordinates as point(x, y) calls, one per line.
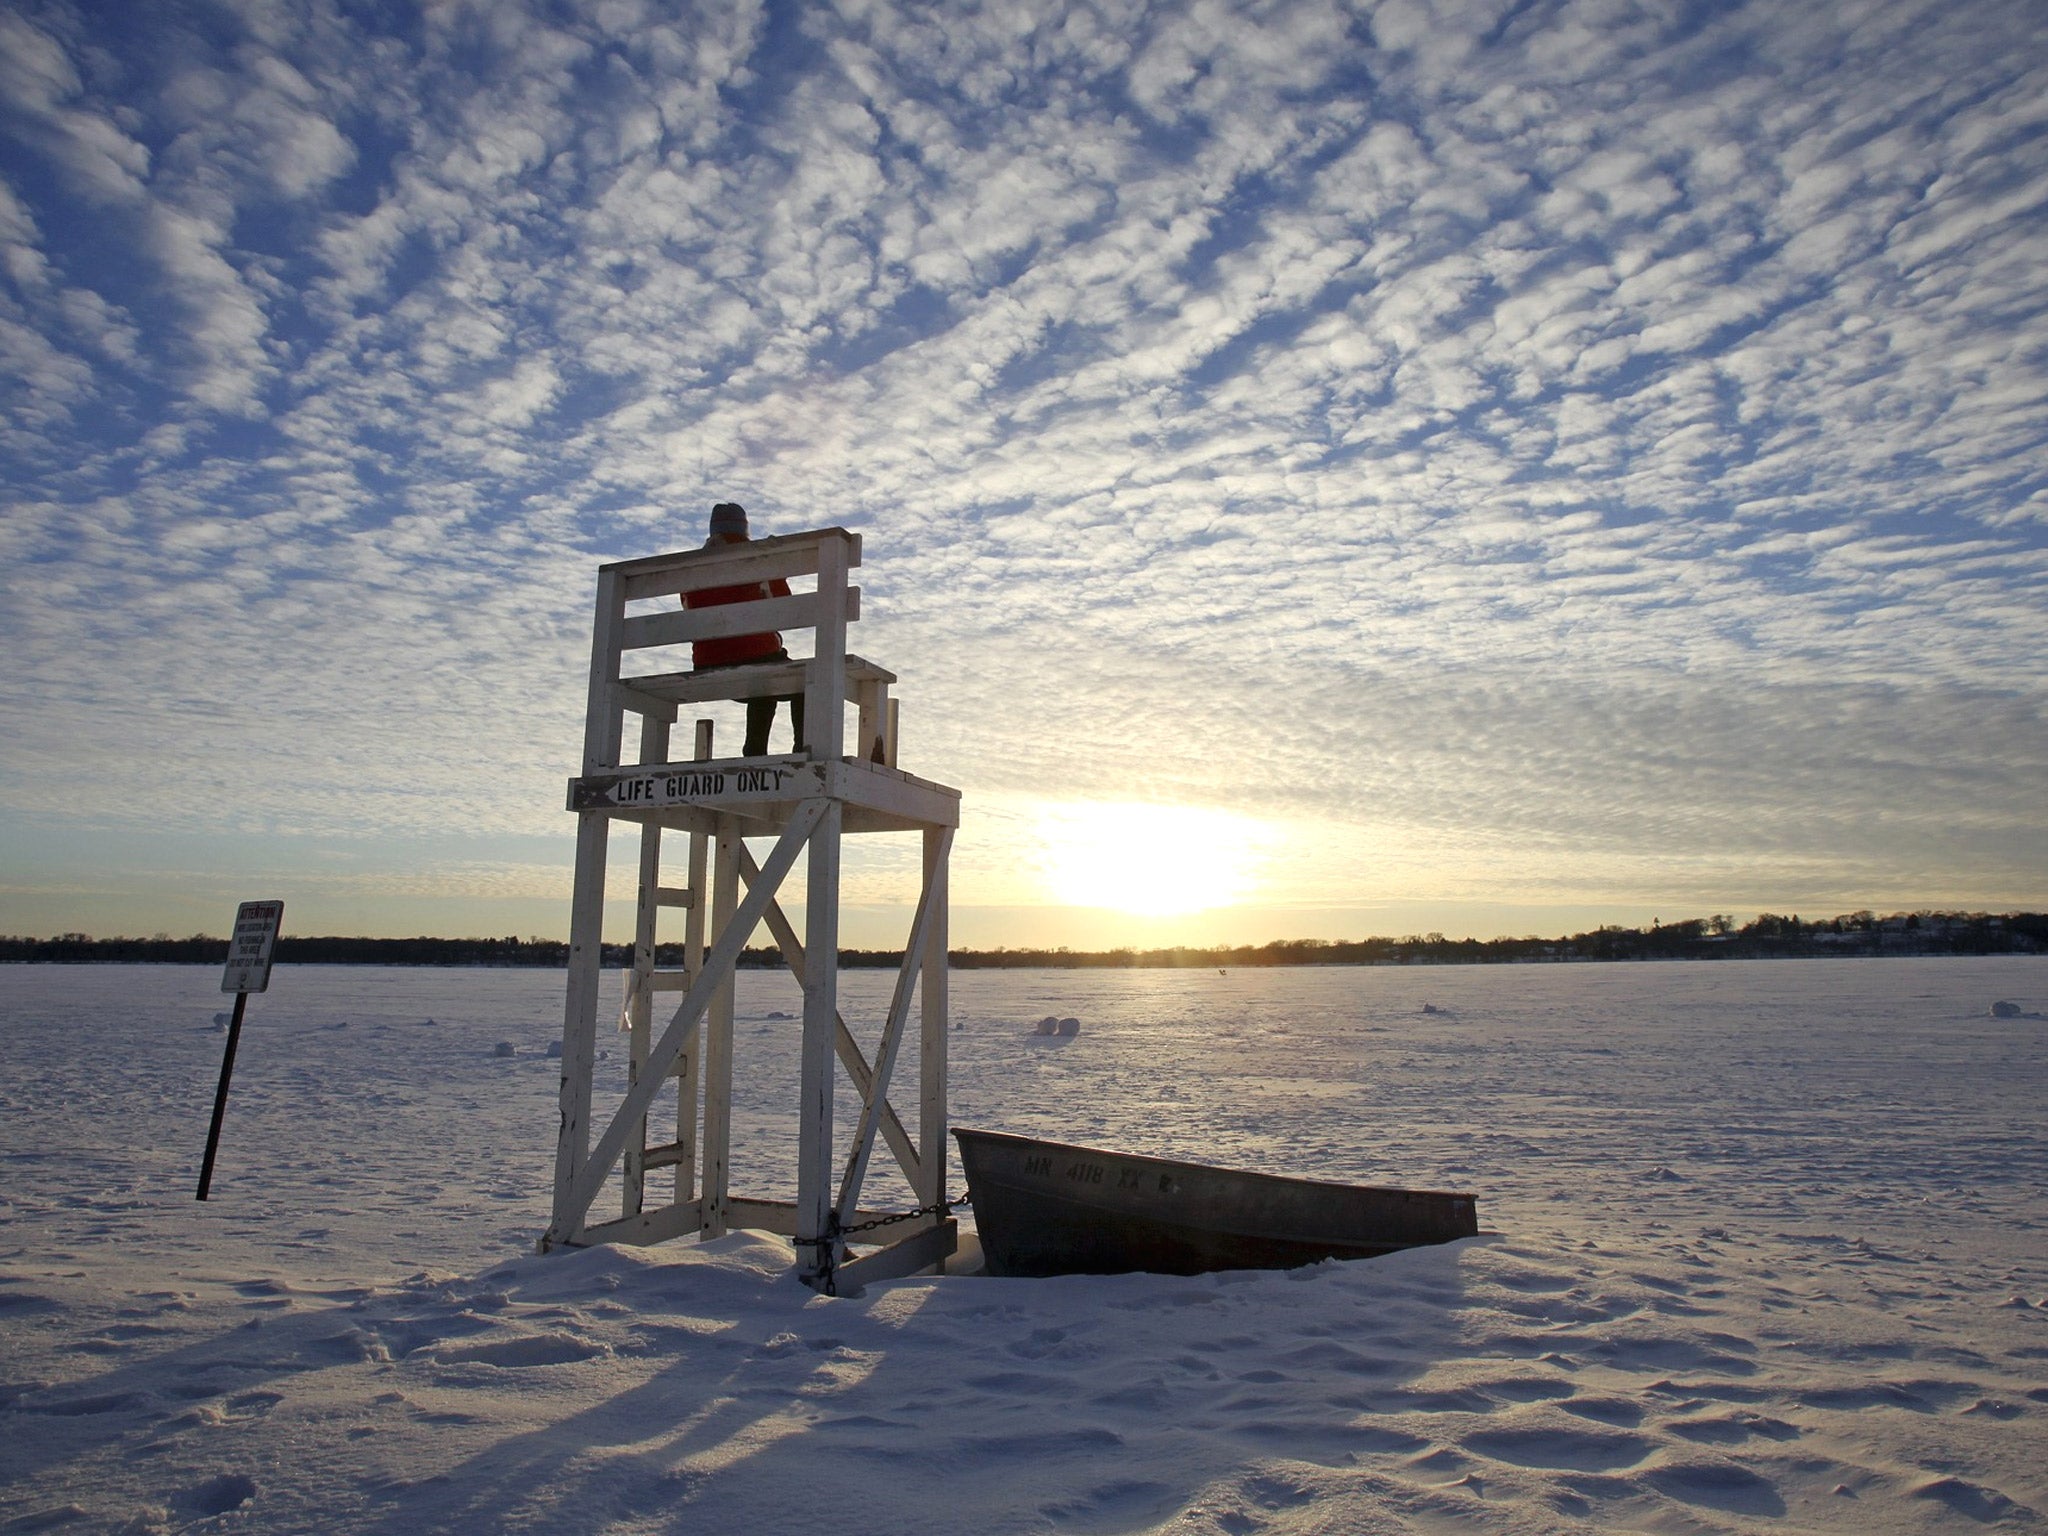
point(665, 1156)
point(668, 981)
point(674, 896)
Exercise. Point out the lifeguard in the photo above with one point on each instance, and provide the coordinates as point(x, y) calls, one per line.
point(729, 526)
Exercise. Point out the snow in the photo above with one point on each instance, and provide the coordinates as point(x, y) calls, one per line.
point(1764, 1251)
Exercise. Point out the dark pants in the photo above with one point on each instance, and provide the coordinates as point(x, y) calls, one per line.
point(761, 717)
point(761, 712)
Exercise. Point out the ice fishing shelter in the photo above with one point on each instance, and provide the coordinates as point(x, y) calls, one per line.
point(807, 802)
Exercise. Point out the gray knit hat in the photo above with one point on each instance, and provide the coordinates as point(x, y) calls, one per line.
point(728, 517)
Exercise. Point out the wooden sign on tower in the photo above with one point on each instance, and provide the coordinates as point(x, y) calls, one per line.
point(807, 801)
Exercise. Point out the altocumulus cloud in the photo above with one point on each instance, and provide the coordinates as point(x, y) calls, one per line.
point(1553, 452)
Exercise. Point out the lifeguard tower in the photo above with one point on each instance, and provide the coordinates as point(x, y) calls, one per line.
point(806, 801)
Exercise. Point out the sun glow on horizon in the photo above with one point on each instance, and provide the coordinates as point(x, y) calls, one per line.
point(1151, 860)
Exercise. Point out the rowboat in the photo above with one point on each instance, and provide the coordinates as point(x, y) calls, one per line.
point(1047, 1208)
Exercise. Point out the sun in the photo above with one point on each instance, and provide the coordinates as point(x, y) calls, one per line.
point(1150, 860)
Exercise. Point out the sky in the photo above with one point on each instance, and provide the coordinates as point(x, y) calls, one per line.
point(1493, 466)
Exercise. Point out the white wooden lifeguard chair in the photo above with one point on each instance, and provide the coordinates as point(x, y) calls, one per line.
point(805, 801)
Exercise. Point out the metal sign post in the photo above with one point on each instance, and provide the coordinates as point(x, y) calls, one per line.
point(249, 951)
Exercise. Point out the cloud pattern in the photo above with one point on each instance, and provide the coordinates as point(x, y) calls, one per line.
point(1562, 451)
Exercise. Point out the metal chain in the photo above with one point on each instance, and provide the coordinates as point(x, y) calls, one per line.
point(835, 1233)
point(936, 1208)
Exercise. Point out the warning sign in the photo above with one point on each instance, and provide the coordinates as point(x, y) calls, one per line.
point(256, 924)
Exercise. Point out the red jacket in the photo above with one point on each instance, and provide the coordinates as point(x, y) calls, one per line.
point(735, 648)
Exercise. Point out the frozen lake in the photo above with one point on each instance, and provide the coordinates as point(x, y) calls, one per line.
point(1826, 1096)
point(1769, 1246)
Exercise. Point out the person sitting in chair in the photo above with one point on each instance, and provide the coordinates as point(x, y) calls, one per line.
point(729, 526)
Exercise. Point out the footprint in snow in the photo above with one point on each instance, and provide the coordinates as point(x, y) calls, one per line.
point(524, 1350)
point(218, 1495)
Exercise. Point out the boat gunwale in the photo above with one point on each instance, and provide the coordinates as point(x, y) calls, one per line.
point(1295, 1180)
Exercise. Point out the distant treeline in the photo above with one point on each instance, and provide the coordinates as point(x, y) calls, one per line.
point(1769, 937)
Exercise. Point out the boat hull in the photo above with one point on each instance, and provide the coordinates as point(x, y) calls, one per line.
point(1048, 1208)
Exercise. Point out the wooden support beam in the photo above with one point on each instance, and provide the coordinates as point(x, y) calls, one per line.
point(666, 1156)
point(788, 555)
point(767, 789)
point(603, 718)
point(930, 1180)
point(684, 896)
point(718, 967)
point(755, 680)
point(836, 604)
point(870, 742)
point(821, 1014)
point(806, 610)
point(648, 705)
point(725, 886)
point(877, 1091)
point(655, 1226)
point(654, 730)
point(603, 725)
point(851, 1056)
point(687, 1065)
point(921, 1250)
point(748, 564)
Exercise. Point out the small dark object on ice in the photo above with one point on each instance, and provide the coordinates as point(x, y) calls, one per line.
point(505, 1048)
point(554, 1050)
point(1069, 1028)
point(1049, 1025)
point(2006, 1008)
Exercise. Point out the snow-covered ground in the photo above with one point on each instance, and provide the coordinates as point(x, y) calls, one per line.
point(1768, 1251)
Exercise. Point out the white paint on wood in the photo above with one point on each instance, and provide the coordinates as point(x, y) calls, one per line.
point(687, 1064)
point(872, 697)
point(743, 781)
point(887, 799)
point(935, 1144)
point(654, 734)
point(602, 718)
point(803, 610)
point(877, 1091)
point(640, 702)
point(912, 803)
point(728, 850)
point(923, 1250)
point(754, 680)
point(718, 565)
point(579, 1024)
point(667, 1155)
point(851, 1056)
point(718, 967)
point(821, 1014)
point(655, 1226)
point(825, 688)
